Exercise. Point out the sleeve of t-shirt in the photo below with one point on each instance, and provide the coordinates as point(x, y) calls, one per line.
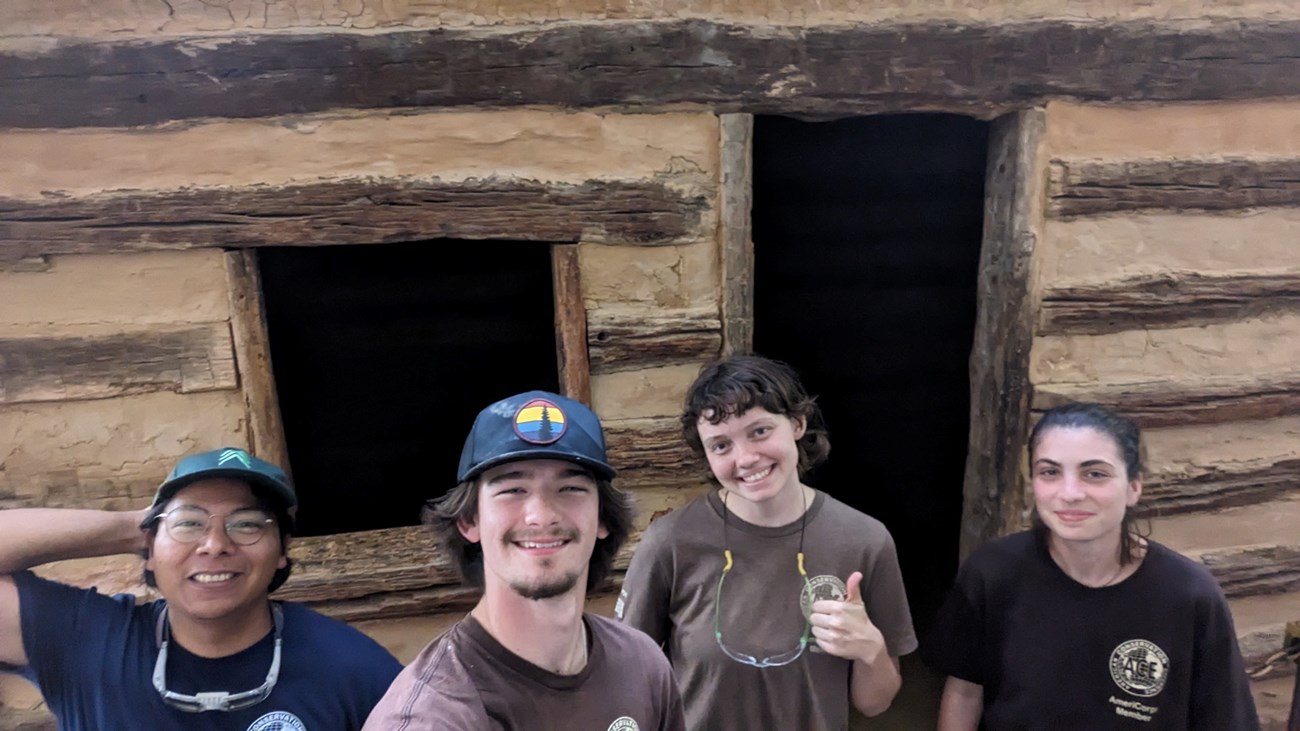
point(1221, 698)
point(65, 631)
point(955, 644)
point(647, 588)
point(423, 699)
point(886, 599)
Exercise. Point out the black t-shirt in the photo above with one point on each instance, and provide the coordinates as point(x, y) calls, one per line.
point(1156, 651)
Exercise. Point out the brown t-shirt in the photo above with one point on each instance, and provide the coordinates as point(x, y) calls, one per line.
point(467, 681)
point(671, 593)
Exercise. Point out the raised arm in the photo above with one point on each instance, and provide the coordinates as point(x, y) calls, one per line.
point(33, 536)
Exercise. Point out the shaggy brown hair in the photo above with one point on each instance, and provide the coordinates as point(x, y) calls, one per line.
point(443, 517)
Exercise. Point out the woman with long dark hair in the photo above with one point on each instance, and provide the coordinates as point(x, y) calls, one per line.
point(1083, 622)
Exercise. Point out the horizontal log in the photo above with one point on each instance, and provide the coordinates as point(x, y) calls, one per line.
point(652, 452)
point(1089, 188)
point(1254, 570)
point(832, 69)
point(350, 565)
point(1215, 487)
point(621, 341)
point(1171, 299)
point(1181, 404)
point(184, 359)
point(351, 211)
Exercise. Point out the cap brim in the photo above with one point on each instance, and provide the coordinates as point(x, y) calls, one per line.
point(600, 469)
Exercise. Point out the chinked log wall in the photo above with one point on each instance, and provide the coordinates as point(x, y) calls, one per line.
point(142, 333)
point(1170, 291)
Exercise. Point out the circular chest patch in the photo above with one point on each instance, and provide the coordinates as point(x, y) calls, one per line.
point(278, 721)
point(539, 422)
point(1139, 667)
point(624, 723)
point(819, 588)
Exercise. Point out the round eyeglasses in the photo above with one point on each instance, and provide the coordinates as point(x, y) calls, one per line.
point(784, 658)
point(188, 524)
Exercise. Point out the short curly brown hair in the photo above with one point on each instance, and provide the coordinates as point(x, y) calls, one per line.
point(739, 383)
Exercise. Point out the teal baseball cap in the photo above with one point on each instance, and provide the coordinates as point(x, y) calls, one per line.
point(534, 425)
point(232, 463)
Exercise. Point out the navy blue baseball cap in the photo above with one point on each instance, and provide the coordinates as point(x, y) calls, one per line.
point(231, 463)
point(534, 425)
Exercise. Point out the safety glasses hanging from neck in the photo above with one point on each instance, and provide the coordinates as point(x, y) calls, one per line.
point(216, 700)
point(772, 661)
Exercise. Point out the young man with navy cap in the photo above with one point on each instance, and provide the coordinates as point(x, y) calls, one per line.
point(215, 653)
point(535, 523)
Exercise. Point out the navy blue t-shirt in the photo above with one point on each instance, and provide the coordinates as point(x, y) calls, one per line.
point(93, 656)
point(1155, 652)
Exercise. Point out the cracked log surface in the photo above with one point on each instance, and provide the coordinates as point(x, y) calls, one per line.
point(185, 359)
point(1089, 188)
point(1173, 299)
point(351, 211)
point(1181, 404)
point(832, 70)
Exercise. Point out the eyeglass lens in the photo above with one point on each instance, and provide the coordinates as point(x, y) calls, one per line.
point(244, 527)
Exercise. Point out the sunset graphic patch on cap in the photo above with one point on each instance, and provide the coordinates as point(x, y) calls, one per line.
point(539, 422)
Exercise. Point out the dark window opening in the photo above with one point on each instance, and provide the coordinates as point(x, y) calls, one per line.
point(867, 239)
point(384, 354)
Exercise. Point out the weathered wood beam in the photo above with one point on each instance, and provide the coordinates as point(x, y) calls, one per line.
point(1215, 487)
point(1172, 299)
point(350, 211)
point(994, 495)
point(573, 364)
point(253, 358)
point(833, 69)
point(1254, 570)
point(350, 565)
point(1181, 404)
point(652, 452)
point(1089, 188)
point(180, 358)
point(620, 341)
point(737, 145)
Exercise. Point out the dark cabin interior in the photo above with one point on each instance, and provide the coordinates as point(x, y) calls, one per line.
point(867, 239)
point(384, 354)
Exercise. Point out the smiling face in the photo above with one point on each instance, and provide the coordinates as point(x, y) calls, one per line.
point(754, 454)
point(537, 522)
point(1081, 487)
point(214, 579)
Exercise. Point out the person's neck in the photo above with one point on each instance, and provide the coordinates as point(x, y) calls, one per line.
point(1094, 563)
point(784, 508)
point(548, 633)
point(223, 636)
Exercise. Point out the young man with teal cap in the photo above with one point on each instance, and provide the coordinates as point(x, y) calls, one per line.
point(215, 652)
point(535, 523)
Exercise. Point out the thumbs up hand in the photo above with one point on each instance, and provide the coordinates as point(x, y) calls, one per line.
point(843, 629)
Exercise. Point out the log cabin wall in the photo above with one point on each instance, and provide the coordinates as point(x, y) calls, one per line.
point(1168, 278)
point(117, 362)
point(146, 144)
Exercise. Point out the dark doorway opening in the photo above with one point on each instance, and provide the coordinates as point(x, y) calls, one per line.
point(866, 244)
point(384, 354)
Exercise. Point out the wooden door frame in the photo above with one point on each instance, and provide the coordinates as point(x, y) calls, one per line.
point(994, 499)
